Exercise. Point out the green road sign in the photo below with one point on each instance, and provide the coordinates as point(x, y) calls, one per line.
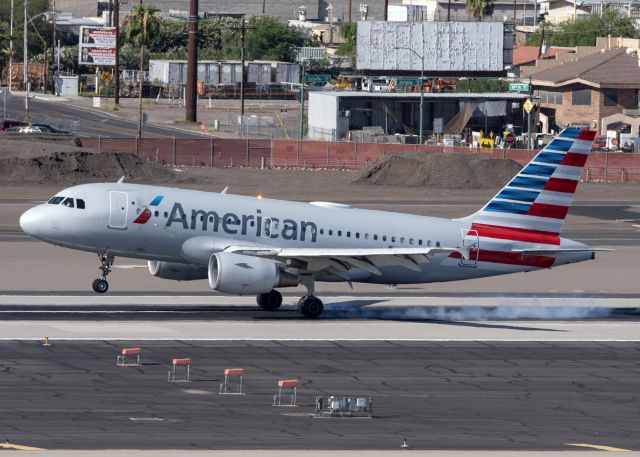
point(407, 82)
point(518, 87)
point(317, 78)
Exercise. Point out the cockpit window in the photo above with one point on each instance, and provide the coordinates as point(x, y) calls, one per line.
point(68, 202)
point(55, 200)
point(80, 203)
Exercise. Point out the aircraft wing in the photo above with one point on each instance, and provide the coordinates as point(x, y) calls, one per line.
point(338, 261)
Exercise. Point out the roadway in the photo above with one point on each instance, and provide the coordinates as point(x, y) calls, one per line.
point(92, 122)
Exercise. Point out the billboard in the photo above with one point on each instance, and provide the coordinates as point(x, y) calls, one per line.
point(445, 47)
point(97, 46)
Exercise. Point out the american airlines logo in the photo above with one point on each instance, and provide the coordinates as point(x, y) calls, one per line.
point(146, 213)
point(242, 224)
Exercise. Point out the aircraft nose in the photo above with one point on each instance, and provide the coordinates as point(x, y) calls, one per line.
point(31, 221)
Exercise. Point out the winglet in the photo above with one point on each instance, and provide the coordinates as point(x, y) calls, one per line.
point(224, 191)
point(121, 180)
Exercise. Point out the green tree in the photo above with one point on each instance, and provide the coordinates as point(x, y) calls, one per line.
point(39, 29)
point(347, 49)
point(479, 9)
point(270, 39)
point(5, 51)
point(584, 31)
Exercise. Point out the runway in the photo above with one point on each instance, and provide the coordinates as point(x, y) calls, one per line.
point(454, 395)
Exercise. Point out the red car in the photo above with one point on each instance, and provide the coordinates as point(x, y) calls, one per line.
point(599, 143)
point(8, 123)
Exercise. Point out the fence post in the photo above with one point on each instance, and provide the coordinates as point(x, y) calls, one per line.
point(298, 155)
point(355, 157)
point(246, 153)
point(327, 154)
point(174, 150)
point(606, 166)
point(211, 147)
point(271, 153)
point(100, 143)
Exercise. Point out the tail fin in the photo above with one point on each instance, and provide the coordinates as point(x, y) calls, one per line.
point(535, 202)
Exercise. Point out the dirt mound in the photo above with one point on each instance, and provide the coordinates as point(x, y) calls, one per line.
point(449, 171)
point(81, 167)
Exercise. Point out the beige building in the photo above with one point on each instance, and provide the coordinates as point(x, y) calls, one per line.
point(587, 89)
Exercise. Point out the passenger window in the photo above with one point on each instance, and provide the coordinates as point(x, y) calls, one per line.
point(166, 214)
point(358, 235)
point(366, 236)
point(55, 200)
point(339, 232)
point(420, 242)
point(348, 234)
point(375, 237)
point(393, 239)
point(156, 213)
point(402, 240)
point(429, 243)
point(321, 231)
point(68, 202)
point(410, 240)
point(80, 203)
point(437, 244)
point(330, 232)
point(384, 237)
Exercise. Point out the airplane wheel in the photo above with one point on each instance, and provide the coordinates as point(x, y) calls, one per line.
point(269, 301)
point(311, 307)
point(100, 286)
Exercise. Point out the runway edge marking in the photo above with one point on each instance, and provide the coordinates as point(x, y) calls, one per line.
point(435, 340)
point(599, 447)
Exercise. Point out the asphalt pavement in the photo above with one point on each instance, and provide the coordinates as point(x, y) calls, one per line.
point(91, 122)
point(468, 395)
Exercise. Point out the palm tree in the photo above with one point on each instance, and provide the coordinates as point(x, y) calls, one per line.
point(480, 8)
point(141, 26)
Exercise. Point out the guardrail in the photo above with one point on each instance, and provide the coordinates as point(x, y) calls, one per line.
point(338, 155)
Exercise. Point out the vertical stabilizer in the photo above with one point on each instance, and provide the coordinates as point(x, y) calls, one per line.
point(534, 204)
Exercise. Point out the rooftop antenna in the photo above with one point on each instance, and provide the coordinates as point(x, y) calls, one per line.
point(121, 180)
point(224, 191)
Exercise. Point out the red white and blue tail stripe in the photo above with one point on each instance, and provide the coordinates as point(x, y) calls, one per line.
point(533, 206)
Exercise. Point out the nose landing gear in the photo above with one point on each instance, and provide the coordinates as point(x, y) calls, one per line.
point(100, 285)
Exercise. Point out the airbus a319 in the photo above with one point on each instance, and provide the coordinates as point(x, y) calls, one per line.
point(252, 246)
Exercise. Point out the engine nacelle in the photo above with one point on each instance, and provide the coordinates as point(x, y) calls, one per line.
point(176, 271)
point(245, 275)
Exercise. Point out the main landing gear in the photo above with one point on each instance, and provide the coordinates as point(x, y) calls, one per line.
point(309, 306)
point(269, 301)
point(100, 285)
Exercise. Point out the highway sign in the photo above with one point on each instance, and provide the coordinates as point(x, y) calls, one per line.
point(518, 87)
point(317, 78)
point(407, 82)
point(528, 106)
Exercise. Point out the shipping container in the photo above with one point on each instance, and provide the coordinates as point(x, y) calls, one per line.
point(259, 73)
point(287, 72)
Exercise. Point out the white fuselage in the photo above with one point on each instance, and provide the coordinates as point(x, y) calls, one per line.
point(166, 230)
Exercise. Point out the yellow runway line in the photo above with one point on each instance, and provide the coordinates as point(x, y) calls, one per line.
point(20, 447)
point(599, 447)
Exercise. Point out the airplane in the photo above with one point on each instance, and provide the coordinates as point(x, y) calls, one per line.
point(247, 245)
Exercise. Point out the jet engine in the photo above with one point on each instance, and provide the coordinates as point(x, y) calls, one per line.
point(176, 271)
point(245, 275)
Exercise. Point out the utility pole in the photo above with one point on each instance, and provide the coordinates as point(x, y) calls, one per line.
point(24, 65)
point(192, 64)
point(242, 35)
point(54, 43)
point(350, 11)
point(449, 11)
point(116, 13)
point(11, 47)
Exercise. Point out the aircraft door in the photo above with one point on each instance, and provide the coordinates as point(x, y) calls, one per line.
point(471, 248)
point(118, 207)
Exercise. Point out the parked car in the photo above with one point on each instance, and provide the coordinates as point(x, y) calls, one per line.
point(25, 129)
point(599, 143)
point(46, 128)
point(10, 123)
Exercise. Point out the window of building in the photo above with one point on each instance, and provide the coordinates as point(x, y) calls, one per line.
point(610, 97)
point(581, 97)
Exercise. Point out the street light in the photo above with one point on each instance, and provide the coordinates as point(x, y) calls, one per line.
point(421, 57)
